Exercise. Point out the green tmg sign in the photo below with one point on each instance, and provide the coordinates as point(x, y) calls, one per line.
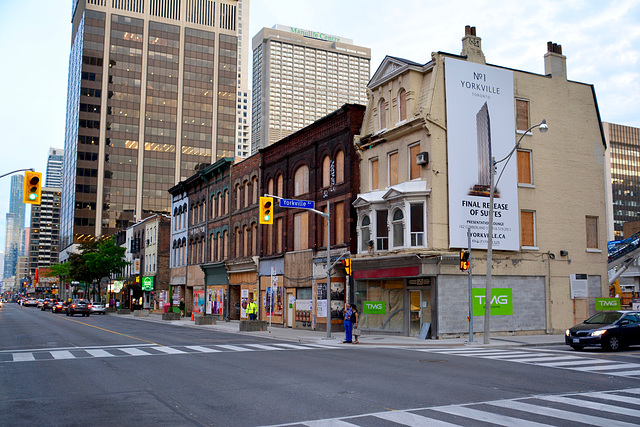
point(603, 304)
point(501, 301)
point(374, 307)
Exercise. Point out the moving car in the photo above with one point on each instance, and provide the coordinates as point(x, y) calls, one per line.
point(30, 302)
point(611, 330)
point(59, 307)
point(97, 308)
point(48, 303)
point(79, 306)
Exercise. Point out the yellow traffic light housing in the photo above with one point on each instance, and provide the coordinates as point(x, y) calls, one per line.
point(32, 188)
point(266, 210)
point(346, 263)
point(464, 259)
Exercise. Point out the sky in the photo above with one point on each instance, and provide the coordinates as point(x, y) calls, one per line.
point(600, 38)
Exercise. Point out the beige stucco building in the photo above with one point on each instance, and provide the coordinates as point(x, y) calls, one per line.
point(408, 214)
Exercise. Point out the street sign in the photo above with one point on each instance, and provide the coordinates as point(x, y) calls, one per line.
point(302, 204)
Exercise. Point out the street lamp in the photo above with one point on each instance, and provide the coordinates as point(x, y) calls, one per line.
point(492, 188)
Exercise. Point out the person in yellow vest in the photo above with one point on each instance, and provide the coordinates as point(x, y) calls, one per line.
point(252, 310)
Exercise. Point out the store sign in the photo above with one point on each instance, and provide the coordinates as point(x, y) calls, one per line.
point(147, 283)
point(603, 304)
point(375, 307)
point(116, 286)
point(501, 301)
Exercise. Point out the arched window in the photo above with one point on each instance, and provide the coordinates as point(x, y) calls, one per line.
point(301, 181)
point(212, 248)
point(365, 233)
point(225, 236)
point(398, 228)
point(339, 166)
point(238, 196)
point(270, 186)
point(219, 251)
point(402, 105)
point(175, 219)
point(382, 114)
point(280, 186)
point(245, 241)
point(247, 192)
point(254, 239)
point(238, 243)
point(326, 172)
point(226, 201)
point(184, 213)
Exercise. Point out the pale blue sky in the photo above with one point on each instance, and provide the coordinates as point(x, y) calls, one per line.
point(601, 40)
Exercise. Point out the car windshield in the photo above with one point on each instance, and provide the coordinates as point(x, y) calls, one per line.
point(604, 318)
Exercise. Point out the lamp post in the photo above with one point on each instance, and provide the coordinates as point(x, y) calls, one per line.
point(492, 188)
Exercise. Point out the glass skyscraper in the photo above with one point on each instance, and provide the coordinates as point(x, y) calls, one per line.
point(15, 227)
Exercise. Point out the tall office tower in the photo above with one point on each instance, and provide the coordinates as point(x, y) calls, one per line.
point(300, 76)
point(15, 226)
point(44, 230)
point(243, 139)
point(53, 176)
point(151, 98)
point(624, 151)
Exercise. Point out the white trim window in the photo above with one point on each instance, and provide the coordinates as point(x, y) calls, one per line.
point(417, 224)
point(382, 230)
point(397, 225)
point(365, 233)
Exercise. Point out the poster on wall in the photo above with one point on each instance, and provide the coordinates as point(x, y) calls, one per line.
point(244, 301)
point(481, 125)
point(215, 301)
point(198, 302)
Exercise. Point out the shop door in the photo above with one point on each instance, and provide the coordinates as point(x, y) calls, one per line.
point(420, 310)
point(290, 304)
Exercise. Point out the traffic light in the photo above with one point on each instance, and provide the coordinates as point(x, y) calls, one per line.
point(464, 259)
point(32, 187)
point(346, 263)
point(266, 210)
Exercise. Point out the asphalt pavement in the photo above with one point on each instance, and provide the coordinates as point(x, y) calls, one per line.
point(336, 338)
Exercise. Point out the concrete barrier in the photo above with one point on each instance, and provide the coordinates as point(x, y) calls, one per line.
point(204, 320)
point(124, 311)
point(253, 325)
point(141, 313)
point(170, 316)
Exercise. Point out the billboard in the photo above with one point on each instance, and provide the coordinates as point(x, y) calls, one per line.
point(480, 125)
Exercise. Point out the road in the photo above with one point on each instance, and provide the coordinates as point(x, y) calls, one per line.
point(117, 370)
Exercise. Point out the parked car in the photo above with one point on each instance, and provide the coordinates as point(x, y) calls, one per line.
point(59, 307)
point(611, 330)
point(79, 306)
point(98, 308)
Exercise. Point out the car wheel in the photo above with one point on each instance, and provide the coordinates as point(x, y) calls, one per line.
point(88, 314)
point(613, 343)
point(577, 347)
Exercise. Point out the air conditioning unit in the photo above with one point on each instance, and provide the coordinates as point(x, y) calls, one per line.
point(422, 158)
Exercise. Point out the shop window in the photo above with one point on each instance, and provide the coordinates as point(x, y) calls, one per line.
point(373, 178)
point(528, 228)
point(402, 105)
point(393, 168)
point(417, 224)
point(301, 181)
point(414, 167)
point(390, 292)
point(592, 232)
point(524, 167)
point(382, 232)
point(398, 228)
point(365, 233)
point(522, 114)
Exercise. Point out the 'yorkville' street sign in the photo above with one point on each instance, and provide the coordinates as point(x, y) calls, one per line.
point(302, 204)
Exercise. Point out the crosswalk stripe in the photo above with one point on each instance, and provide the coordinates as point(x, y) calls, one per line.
point(511, 355)
point(534, 359)
point(321, 345)
point(99, 353)
point(328, 423)
point(488, 417)
point(202, 349)
point(608, 367)
point(592, 405)
point(234, 348)
point(297, 347)
point(617, 398)
point(134, 351)
point(576, 417)
point(169, 350)
point(409, 419)
point(625, 373)
point(571, 363)
point(23, 357)
point(64, 354)
point(263, 347)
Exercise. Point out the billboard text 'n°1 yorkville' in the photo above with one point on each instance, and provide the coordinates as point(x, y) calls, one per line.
point(151, 99)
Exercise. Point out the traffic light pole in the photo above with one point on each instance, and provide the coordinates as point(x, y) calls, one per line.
point(18, 170)
point(470, 288)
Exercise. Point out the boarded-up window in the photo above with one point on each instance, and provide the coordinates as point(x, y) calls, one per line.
point(522, 114)
point(374, 174)
point(524, 167)
point(245, 241)
point(326, 172)
point(339, 167)
point(280, 186)
point(393, 168)
point(279, 249)
point(592, 232)
point(225, 245)
point(382, 114)
point(270, 187)
point(254, 239)
point(238, 251)
point(414, 168)
point(301, 181)
point(527, 228)
point(301, 231)
point(402, 104)
point(339, 222)
point(322, 226)
point(254, 186)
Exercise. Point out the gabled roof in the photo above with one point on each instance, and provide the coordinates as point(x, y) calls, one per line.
point(392, 66)
point(407, 188)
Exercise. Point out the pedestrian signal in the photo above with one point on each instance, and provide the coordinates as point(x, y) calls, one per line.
point(346, 263)
point(266, 210)
point(32, 187)
point(464, 259)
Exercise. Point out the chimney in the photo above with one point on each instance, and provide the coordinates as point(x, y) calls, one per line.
point(555, 64)
point(472, 46)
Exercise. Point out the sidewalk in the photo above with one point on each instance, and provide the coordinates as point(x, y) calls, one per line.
point(320, 337)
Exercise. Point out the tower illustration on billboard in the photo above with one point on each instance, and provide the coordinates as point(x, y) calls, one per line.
point(483, 135)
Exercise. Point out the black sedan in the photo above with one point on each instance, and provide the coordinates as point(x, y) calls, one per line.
point(79, 306)
point(611, 330)
point(59, 307)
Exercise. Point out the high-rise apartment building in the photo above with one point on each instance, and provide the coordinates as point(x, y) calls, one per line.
point(15, 226)
point(624, 153)
point(300, 76)
point(44, 230)
point(53, 176)
point(243, 114)
point(151, 98)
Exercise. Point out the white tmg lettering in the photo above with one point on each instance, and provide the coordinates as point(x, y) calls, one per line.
point(374, 306)
point(497, 299)
point(608, 302)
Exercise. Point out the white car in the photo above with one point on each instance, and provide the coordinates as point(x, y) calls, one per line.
point(97, 308)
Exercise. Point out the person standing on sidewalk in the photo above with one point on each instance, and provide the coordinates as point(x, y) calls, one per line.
point(347, 313)
point(354, 323)
point(252, 308)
